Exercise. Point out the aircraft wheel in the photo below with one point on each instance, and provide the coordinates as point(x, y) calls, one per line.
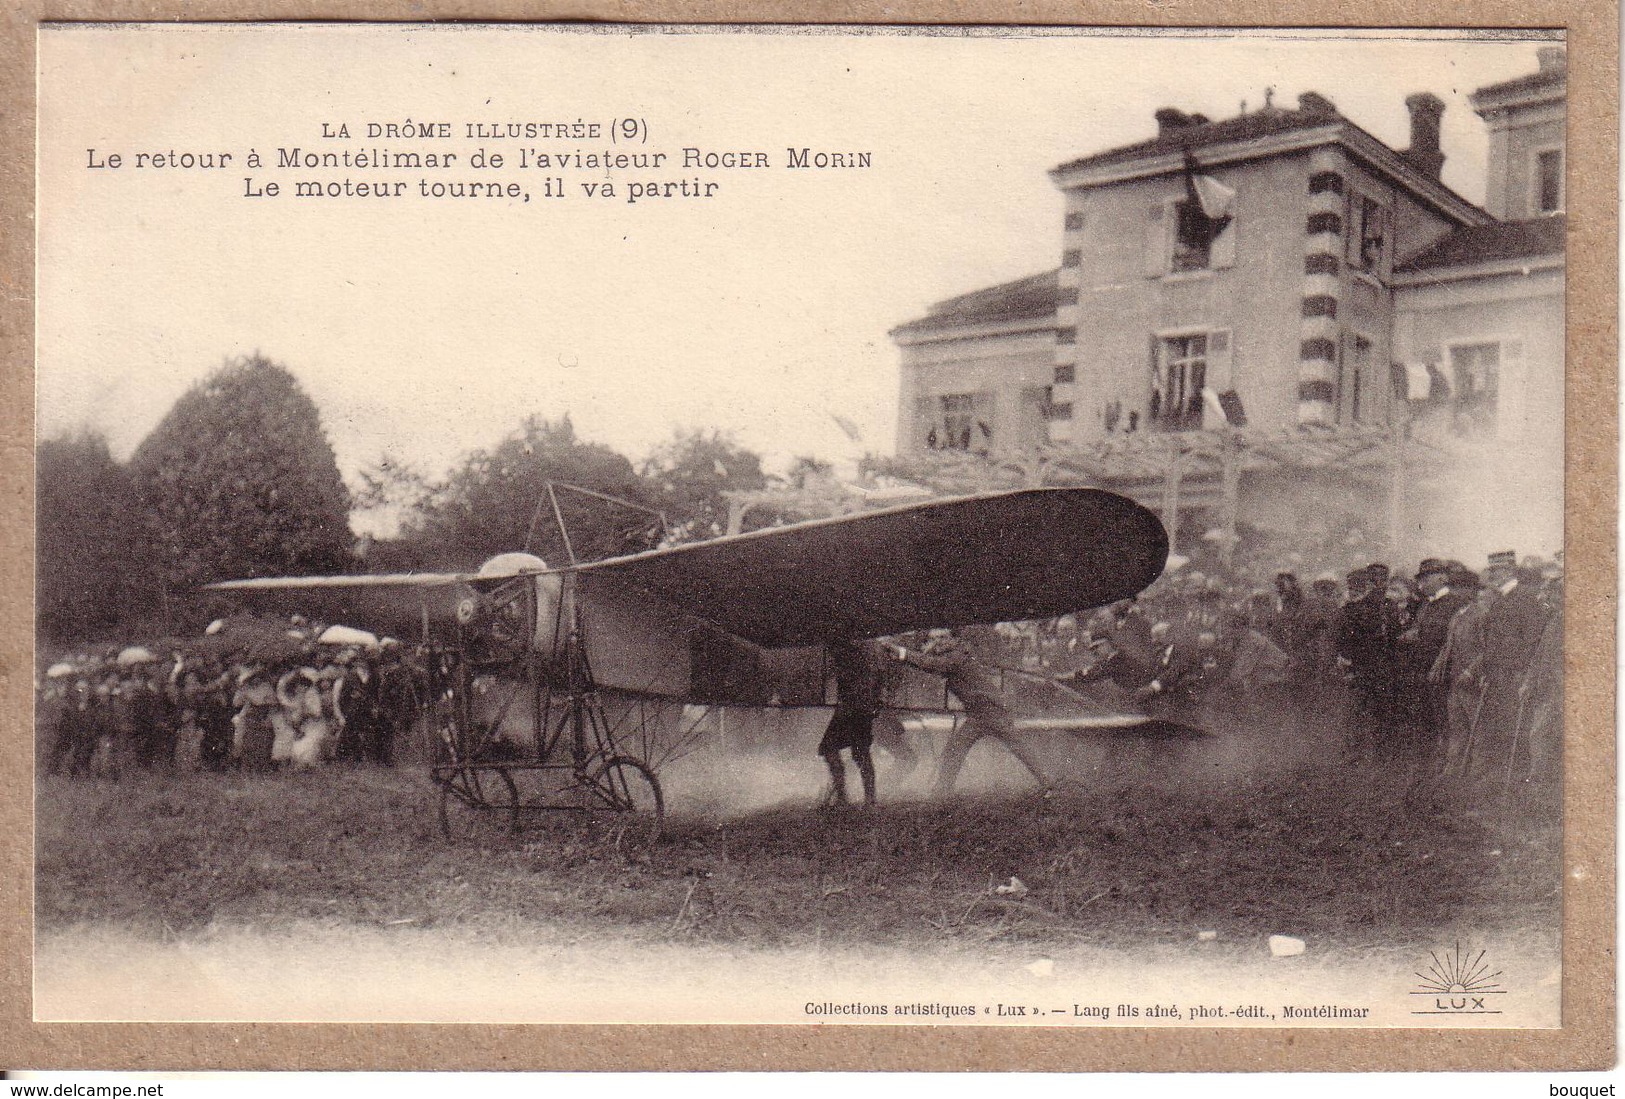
point(478, 802)
point(629, 806)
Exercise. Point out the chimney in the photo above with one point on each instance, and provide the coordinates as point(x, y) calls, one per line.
point(1315, 103)
point(1424, 153)
point(1552, 59)
point(1170, 119)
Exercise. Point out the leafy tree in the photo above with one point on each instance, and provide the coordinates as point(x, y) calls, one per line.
point(389, 494)
point(497, 501)
point(392, 486)
point(239, 480)
point(88, 539)
point(688, 475)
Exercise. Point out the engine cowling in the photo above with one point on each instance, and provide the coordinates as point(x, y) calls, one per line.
point(551, 604)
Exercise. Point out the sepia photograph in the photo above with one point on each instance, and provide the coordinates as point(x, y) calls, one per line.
point(995, 527)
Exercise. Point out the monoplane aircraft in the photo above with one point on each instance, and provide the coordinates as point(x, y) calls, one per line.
point(538, 670)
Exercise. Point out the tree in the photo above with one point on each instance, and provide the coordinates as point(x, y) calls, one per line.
point(239, 480)
point(88, 539)
point(389, 493)
point(689, 475)
point(497, 501)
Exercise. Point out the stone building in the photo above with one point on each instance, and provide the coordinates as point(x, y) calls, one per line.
point(1481, 311)
point(979, 368)
point(1286, 273)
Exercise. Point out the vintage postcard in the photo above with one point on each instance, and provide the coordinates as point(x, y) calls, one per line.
point(1033, 530)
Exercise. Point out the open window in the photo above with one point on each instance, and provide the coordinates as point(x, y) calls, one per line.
point(1189, 372)
point(1193, 238)
point(957, 421)
point(1368, 234)
point(1194, 233)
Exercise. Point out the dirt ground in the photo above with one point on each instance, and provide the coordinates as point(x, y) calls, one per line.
point(1149, 862)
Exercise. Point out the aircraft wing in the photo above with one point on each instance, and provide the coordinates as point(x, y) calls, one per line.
point(1001, 557)
point(399, 603)
point(369, 580)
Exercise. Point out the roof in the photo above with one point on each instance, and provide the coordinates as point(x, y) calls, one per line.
point(1262, 123)
point(1500, 240)
point(1552, 76)
point(1031, 298)
point(1314, 112)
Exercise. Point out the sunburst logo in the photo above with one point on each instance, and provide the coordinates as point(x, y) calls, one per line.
point(1458, 982)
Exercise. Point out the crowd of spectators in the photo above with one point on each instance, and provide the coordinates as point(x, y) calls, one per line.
point(310, 697)
point(1447, 668)
point(1450, 669)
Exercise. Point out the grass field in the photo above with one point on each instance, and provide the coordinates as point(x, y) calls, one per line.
point(1343, 860)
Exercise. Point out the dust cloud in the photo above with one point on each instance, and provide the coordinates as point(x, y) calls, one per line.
point(771, 761)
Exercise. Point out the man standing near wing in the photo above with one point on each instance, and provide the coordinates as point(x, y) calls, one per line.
point(859, 668)
point(978, 692)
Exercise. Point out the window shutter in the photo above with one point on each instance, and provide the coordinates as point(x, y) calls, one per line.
point(1510, 406)
point(1218, 361)
point(926, 420)
point(1224, 245)
point(983, 429)
point(1156, 378)
point(1156, 241)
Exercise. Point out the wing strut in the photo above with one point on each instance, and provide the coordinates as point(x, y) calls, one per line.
point(564, 530)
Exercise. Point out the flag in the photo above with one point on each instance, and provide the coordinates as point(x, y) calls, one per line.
point(847, 427)
point(1215, 198)
point(1418, 381)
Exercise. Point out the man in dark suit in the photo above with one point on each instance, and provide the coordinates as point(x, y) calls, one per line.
point(1365, 643)
point(1426, 702)
point(978, 691)
point(1512, 629)
point(1122, 646)
point(859, 671)
point(1184, 666)
point(356, 707)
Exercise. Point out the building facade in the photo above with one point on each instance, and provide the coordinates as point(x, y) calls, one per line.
point(1483, 309)
point(978, 370)
point(1287, 271)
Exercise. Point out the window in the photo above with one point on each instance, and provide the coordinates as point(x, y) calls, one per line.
point(1196, 233)
point(1065, 374)
point(1475, 377)
point(1193, 237)
point(1549, 181)
point(958, 420)
point(1368, 233)
point(1178, 375)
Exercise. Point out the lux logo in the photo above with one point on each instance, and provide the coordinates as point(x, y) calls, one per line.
point(1459, 984)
